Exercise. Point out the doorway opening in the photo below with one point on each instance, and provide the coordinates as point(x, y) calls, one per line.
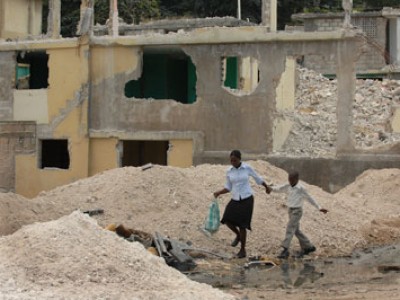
point(139, 153)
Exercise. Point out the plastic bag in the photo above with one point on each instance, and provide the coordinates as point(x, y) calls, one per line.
point(212, 221)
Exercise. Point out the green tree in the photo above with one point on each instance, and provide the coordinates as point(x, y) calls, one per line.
point(134, 11)
point(131, 11)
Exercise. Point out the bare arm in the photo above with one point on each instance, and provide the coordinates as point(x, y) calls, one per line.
point(220, 192)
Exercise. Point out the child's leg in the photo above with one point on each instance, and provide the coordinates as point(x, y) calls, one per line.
point(303, 239)
point(292, 226)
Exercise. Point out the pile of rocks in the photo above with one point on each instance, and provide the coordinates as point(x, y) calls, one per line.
point(314, 132)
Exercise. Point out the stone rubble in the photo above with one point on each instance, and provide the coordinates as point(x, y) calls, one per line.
point(315, 122)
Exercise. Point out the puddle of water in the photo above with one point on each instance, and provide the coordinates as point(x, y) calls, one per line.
point(293, 273)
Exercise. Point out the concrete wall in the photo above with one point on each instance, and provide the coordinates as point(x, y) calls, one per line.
point(103, 155)
point(225, 119)
point(31, 105)
point(395, 122)
point(7, 82)
point(67, 108)
point(372, 56)
point(15, 138)
point(180, 153)
point(285, 101)
point(206, 130)
point(394, 37)
point(333, 174)
point(27, 12)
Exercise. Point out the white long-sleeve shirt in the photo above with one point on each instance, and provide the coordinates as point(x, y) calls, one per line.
point(296, 195)
point(238, 183)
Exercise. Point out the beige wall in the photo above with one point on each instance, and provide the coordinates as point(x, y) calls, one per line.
point(28, 13)
point(31, 105)
point(103, 155)
point(285, 101)
point(67, 113)
point(180, 153)
point(109, 61)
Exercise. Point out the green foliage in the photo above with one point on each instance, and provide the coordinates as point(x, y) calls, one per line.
point(134, 11)
point(131, 11)
point(101, 11)
point(70, 16)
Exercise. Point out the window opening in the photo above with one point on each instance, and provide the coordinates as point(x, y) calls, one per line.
point(32, 71)
point(169, 75)
point(139, 153)
point(54, 154)
point(240, 75)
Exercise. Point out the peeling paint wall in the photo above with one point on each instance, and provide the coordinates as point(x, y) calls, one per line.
point(68, 119)
point(225, 119)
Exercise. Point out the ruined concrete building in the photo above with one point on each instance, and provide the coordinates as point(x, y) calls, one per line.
point(380, 48)
point(165, 93)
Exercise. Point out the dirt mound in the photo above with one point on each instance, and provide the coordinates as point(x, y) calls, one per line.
point(17, 211)
point(174, 202)
point(377, 188)
point(382, 231)
point(74, 256)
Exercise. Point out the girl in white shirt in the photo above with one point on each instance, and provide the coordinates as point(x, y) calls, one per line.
point(238, 213)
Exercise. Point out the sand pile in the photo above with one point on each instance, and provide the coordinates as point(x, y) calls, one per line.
point(74, 258)
point(175, 201)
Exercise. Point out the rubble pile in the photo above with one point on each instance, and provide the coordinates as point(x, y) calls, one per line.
point(314, 131)
point(65, 252)
point(74, 258)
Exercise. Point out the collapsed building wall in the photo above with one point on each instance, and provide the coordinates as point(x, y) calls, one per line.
point(373, 56)
point(178, 99)
point(226, 119)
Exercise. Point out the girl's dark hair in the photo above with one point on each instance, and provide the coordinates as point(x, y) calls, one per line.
point(236, 153)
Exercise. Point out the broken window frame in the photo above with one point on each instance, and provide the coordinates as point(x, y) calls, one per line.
point(63, 159)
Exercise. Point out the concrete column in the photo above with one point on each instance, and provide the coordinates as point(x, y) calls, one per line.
point(269, 14)
point(86, 21)
point(394, 40)
point(54, 19)
point(113, 25)
point(346, 79)
point(347, 6)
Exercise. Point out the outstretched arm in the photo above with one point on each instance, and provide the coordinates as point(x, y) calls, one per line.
point(267, 188)
point(220, 192)
point(313, 202)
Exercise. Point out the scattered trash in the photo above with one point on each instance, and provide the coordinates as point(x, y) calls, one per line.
point(147, 166)
point(175, 253)
point(94, 212)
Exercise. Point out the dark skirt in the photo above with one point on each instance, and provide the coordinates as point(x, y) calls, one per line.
point(239, 213)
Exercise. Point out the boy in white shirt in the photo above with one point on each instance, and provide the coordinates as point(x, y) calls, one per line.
point(296, 193)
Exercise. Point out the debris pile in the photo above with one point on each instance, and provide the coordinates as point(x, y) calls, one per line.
point(74, 256)
point(70, 249)
point(314, 132)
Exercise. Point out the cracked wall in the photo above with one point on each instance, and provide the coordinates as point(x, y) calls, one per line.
point(223, 120)
point(67, 111)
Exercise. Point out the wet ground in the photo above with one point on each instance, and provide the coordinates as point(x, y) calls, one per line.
point(373, 267)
